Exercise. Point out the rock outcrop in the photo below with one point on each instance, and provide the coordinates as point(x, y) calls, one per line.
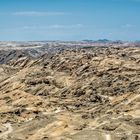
point(91, 93)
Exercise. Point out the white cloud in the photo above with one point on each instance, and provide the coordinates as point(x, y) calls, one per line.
point(46, 28)
point(38, 13)
point(56, 26)
point(128, 26)
point(66, 26)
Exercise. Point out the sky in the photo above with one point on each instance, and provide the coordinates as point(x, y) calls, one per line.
point(35, 20)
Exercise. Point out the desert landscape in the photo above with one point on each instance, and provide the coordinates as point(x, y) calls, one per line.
point(69, 90)
point(69, 70)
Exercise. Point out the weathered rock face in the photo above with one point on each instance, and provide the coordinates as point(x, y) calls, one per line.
point(79, 94)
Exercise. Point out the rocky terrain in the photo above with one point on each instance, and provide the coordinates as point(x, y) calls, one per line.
point(77, 93)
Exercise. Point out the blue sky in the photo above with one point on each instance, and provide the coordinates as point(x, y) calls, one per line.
point(24, 20)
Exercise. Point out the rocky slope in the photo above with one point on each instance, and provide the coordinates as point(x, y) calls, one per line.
point(86, 94)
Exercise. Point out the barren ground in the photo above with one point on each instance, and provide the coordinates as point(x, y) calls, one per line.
point(82, 94)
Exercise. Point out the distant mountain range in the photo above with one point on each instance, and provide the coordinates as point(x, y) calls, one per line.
point(102, 41)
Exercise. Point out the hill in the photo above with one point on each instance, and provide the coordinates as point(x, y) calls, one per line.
point(90, 93)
